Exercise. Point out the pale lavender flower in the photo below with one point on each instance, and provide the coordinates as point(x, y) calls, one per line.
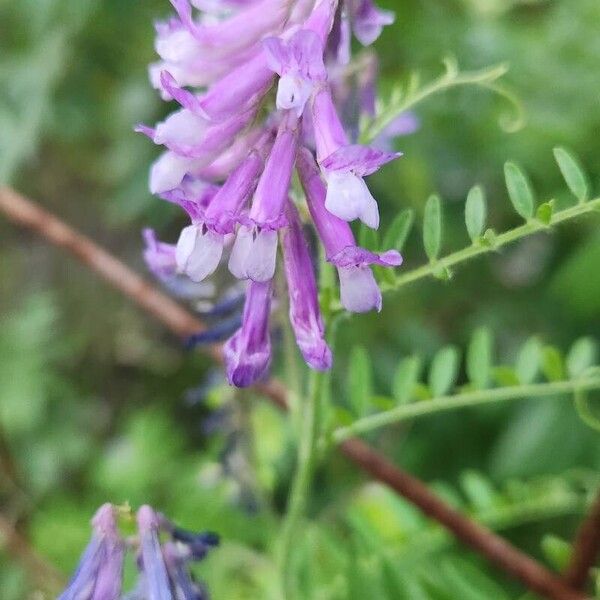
point(305, 315)
point(345, 165)
point(98, 576)
point(248, 352)
point(152, 561)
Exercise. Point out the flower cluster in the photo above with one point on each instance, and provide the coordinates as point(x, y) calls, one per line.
point(231, 154)
point(163, 567)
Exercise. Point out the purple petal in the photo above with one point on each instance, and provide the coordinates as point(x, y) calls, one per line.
point(273, 187)
point(361, 160)
point(305, 315)
point(248, 352)
point(369, 21)
point(159, 257)
point(240, 88)
point(185, 98)
point(277, 53)
point(356, 256)
point(152, 559)
point(329, 132)
point(99, 574)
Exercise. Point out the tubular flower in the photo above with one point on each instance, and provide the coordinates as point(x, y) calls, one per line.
point(164, 567)
point(230, 153)
point(98, 576)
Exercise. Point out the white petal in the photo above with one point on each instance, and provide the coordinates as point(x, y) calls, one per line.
point(177, 46)
point(254, 254)
point(241, 248)
point(197, 254)
point(358, 289)
point(349, 198)
point(293, 91)
point(182, 127)
point(168, 172)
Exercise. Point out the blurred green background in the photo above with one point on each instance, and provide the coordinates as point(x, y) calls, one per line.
point(98, 402)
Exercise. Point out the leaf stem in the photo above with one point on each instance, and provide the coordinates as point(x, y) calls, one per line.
point(500, 240)
point(299, 492)
point(443, 403)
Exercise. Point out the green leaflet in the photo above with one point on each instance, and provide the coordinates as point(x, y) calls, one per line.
point(573, 173)
point(475, 213)
point(432, 227)
point(519, 190)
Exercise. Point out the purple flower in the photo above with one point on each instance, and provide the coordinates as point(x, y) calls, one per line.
point(237, 33)
point(345, 165)
point(152, 561)
point(248, 352)
point(98, 576)
point(231, 132)
point(200, 245)
point(299, 64)
point(368, 20)
point(239, 89)
point(358, 289)
point(159, 257)
point(254, 252)
point(305, 315)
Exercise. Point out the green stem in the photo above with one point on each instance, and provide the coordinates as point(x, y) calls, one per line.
point(443, 403)
point(499, 241)
point(301, 484)
point(452, 78)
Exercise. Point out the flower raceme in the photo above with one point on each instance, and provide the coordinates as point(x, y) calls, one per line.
point(231, 150)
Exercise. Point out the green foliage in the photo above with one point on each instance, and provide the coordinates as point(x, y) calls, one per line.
point(360, 387)
point(405, 379)
point(444, 370)
point(398, 230)
point(573, 173)
point(475, 213)
point(432, 227)
point(479, 358)
point(519, 190)
point(510, 383)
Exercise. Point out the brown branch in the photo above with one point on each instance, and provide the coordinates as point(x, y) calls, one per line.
point(586, 548)
point(531, 573)
point(494, 548)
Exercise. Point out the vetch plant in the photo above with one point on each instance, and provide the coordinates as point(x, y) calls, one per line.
point(278, 124)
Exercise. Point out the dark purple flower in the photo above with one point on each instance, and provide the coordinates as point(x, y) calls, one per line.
point(248, 352)
point(305, 315)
